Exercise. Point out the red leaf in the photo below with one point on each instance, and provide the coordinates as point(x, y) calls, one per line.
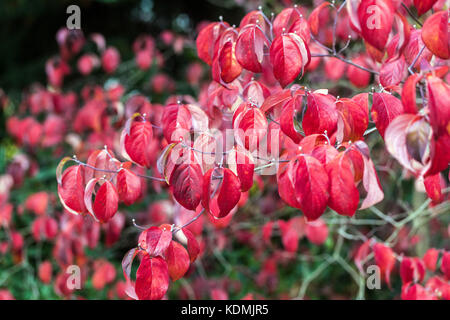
point(376, 18)
point(290, 20)
point(152, 278)
point(207, 38)
point(225, 67)
point(433, 186)
point(250, 48)
point(289, 55)
point(439, 105)
point(352, 120)
point(311, 186)
point(286, 183)
point(392, 72)
point(344, 196)
point(412, 270)
point(407, 138)
point(385, 108)
point(287, 124)
point(361, 255)
point(178, 119)
point(385, 260)
point(220, 195)
point(320, 115)
point(186, 183)
point(128, 186)
point(314, 20)
point(445, 264)
point(106, 200)
point(192, 245)
point(409, 93)
point(137, 142)
point(250, 126)
point(71, 189)
point(291, 232)
point(177, 260)
point(371, 182)
point(241, 162)
point(430, 259)
point(317, 232)
point(423, 5)
point(358, 77)
point(276, 99)
point(127, 262)
point(157, 240)
point(435, 34)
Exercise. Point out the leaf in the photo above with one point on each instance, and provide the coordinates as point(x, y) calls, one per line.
point(291, 232)
point(311, 186)
point(152, 278)
point(409, 93)
point(220, 195)
point(179, 119)
point(137, 143)
point(439, 105)
point(320, 115)
point(433, 186)
point(361, 255)
point(286, 184)
point(128, 186)
point(289, 55)
point(241, 162)
point(423, 6)
point(186, 183)
point(392, 72)
point(314, 20)
point(430, 259)
point(371, 182)
point(317, 232)
point(157, 239)
point(287, 125)
point(71, 188)
point(276, 99)
point(435, 34)
point(352, 120)
point(225, 67)
point(290, 20)
point(207, 39)
point(250, 126)
point(249, 48)
point(412, 270)
point(106, 200)
point(344, 196)
point(385, 108)
point(104, 161)
point(192, 244)
point(358, 77)
point(127, 262)
point(385, 260)
point(376, 18)
point(177, 260)
point(403, 146)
